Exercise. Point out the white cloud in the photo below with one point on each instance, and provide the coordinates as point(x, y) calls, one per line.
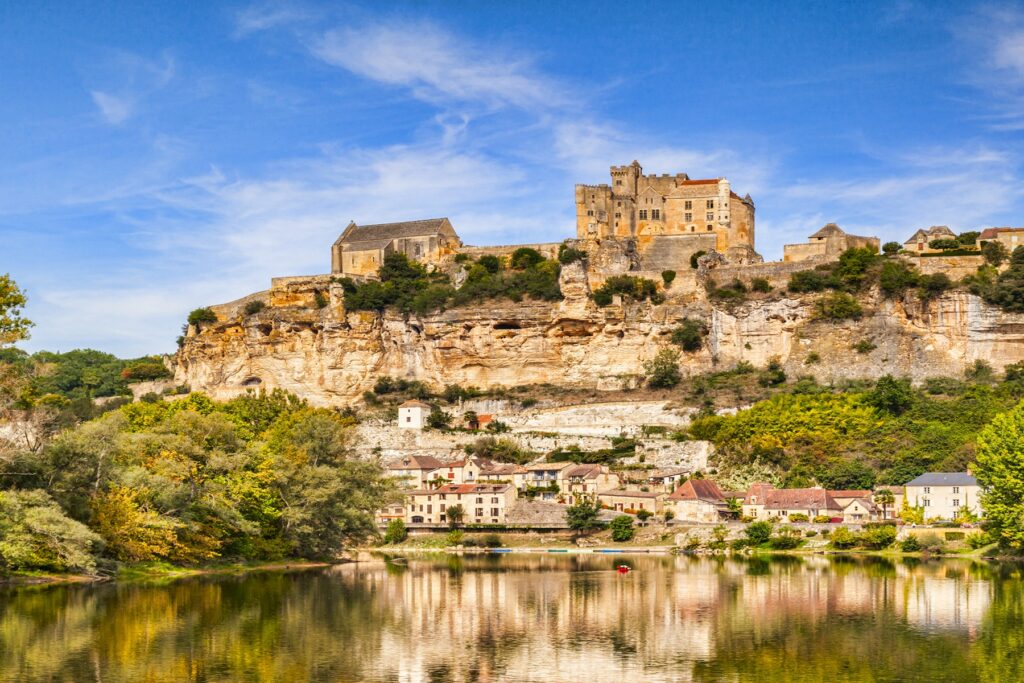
point(266, 16)
point(128, 79)
point(114, 109)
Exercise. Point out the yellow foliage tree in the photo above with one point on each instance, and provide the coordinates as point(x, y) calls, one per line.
point(132, 532)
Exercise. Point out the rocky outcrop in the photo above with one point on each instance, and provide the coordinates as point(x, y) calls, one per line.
point(330, 356)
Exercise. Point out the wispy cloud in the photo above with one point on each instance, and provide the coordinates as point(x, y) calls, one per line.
point(267, 16)
point(127, 80)
point(114, 109)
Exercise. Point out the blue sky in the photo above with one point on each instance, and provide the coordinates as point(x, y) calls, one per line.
point(156, 157)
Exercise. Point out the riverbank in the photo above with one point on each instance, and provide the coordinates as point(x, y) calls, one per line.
point(155, 571)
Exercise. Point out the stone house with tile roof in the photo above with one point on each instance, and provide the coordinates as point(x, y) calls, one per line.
point(827, 244)
point(360, 250)
point(698, 501)
point(586, 481)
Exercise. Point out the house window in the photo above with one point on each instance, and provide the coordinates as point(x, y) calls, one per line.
point(494, 500)
point(643, 214)
point(479, 500)
point(430, 508)
point(956, 489)
point(494, 512)
point(927, 489)
point(618, 203)
point(688, 204)
point(956, 502)
point(711, 203)
point(710, 216)
point(479, 512)
point(710, 228)
point(656, 214)
point(688, 217)
point(408, 418)
point(440, 508)
point(926, 503)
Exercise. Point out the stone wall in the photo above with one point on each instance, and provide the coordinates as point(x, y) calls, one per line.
point(955, 267)
point(547, 249)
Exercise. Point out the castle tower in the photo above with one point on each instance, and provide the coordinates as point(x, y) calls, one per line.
point(625, 179)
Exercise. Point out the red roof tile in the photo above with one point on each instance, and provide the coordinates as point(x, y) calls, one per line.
point(698, 489)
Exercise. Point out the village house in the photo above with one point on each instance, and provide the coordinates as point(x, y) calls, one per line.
point(1011, 238)
point(698, 501)
point(919, 241)
point(667, 480)
point(361, 249)
point(504, 472)
point(480, 503)
point(631, 502)
point(754, 500)
point(414, 470)
point(764, 501)
point(549, 476)
point(942, 495)
point(827, 243)
point(413, 414)
point(860, 510)
point(586, 481)
point(465, 471)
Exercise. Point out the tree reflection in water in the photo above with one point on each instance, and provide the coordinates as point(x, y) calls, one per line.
point(532, 617)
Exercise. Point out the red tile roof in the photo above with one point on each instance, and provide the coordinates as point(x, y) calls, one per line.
point(630, 494)
point(465, 488)
point(416, 462)
point(800, 499)
point(698, 489)
point(705, 181)
point(850, 493)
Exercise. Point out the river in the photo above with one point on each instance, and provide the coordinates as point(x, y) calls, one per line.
point(531, 618)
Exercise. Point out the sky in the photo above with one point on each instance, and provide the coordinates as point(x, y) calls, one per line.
point(158, 157)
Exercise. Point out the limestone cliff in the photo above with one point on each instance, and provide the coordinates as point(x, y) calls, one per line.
point(331, 356)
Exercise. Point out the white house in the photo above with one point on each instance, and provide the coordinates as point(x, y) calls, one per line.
point(413, 415)
point(944, 494)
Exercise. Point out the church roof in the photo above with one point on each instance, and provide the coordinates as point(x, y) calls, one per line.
point(390, 231)
point(367, 245)
point(827, 230)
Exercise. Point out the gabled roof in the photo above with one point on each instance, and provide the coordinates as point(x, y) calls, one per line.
point(630, 494)
point(799, 499)
point(413, 403)
point(850, 493)
point(464, 488)
point(368, 245)
point(542, 466)
point(934, 232)
point(499, 468)
point(416, 462)
point(992, 233)
point(585, 471)
point(944, 479)
point(760, 491)
point(390, 231)
point(865, 503)
point(698, 489)
point(827, 230)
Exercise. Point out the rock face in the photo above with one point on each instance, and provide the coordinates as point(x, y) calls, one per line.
point(331, 356)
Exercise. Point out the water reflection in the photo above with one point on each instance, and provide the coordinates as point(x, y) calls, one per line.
point(532, 618)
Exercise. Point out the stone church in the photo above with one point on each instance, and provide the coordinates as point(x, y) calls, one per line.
point(360, 250)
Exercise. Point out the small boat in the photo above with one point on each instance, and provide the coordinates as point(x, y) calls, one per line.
point(558, 550)
point(622, 569)
point(501, 550)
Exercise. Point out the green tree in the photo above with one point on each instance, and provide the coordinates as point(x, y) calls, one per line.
point(525, 257)
point(884, 498)
point(395, 532)
point(689, 335)
point(582, 516)
point(896, 277)
point(1008, 291)
point(891, 248)
point(999, 468)
point(837, 306)
point(36, 534)
point(945, 244)
point(994, 252)
point(668, 277)
point(891, 395)
point(454, 514)
point(438, 419)
point(695, 258)
point(202, 316)
point(758, 533)
point(13, 325)
point(622, 528)
point(663, 370)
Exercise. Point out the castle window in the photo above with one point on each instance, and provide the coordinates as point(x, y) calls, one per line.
point(688, 204)
point(711, 216)
point(710, 228)
point(656, 214)
point(711, 203)
point(689, 216)
point(618, 182)
point(643, 214)
point(618, 203)
point(590, 213)
point(692, 228)
point(618, 215)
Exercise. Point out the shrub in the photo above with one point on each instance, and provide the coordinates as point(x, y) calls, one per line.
point(663, 370)
point(979, 541)
point(733, 293)
point(837, 306)
point(910, 544)
point(944, 244)
point(891, 248)
point(785, 539)
point(463, 258)
point(843, 538)
point(492, 541)
point(822, 519)
point(454, 537)
point(809, 281)
point(254, 307)
point(864, 346)
point(694, 257)
point(994, 253)
point(667, 276)
point(689, 336)
point(955, 535)
point(772, 375)
point(1008, 292)
point(622, 528)
point(145, 370)
point(567, 255)
point(931, 543)
point(758, 532)
point(628, 286)
point(798, 517)
point(878, 537)
point(891, 395)
point(812, 358)
point(760, 284)
point(202, 315)
point(490, 263)
point(396, 532)
point(810, 533)
point(979, 371)
point(438, 419)
point(320, 299)
point(933, 285)
point(525, 257)
point(644, 515)
point(896, 277)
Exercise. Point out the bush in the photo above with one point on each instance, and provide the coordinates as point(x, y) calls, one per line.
point(758, 532)
point(891, 248)
point(690, 335)
point(931, 543)
point(634, 288)
point(454, 537)
point(822, 519)
point(567, 255)
point(525, 257)
point(1008, 292)
point(843, 538)
point(896, 277)
point(878, 537)
point(772, 375)
point(812, 358)
point(785, 539)
point(810, 533)
point(492, 541)
point(644, 515)
point(438, 419)
point(933, 285)
point(760, 284)
point(463, 258)
point(798, 517)
point(864, 346)
point(202, 315)
point(944, 244)
point(694, 257)
point(396, 532)
point(809, 281)
point(490, 263)
point(622, 528)
point(667, 276)
point(979, 541)
point(955, 535)
point(254, 307)
point(320, 299)
point(837, 306)
point(733, 293)
point(980, 372)
point(663, 370)
point(910, 544)
point(891, 395)
point(994, 253)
